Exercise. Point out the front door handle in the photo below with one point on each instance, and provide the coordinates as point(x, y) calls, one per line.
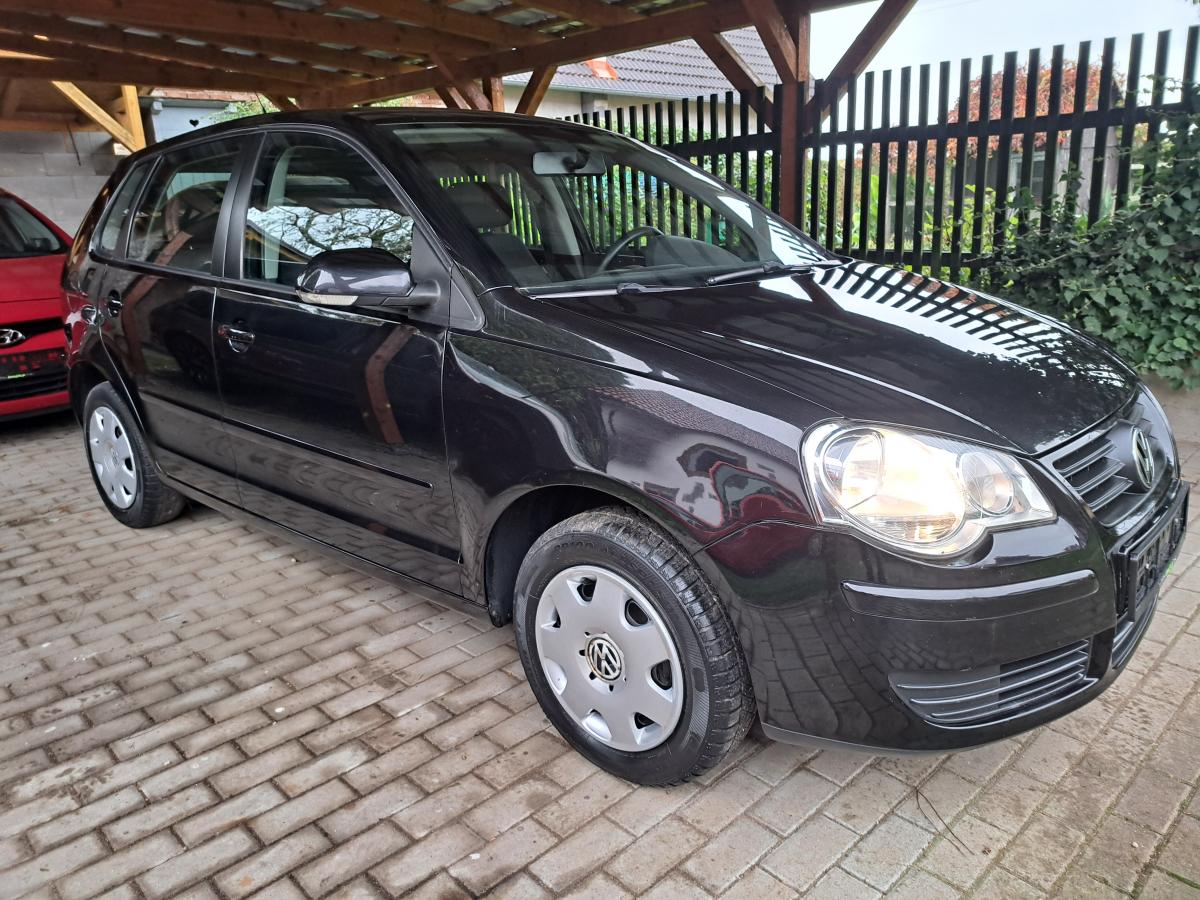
point(239, 339)
point(113, 304)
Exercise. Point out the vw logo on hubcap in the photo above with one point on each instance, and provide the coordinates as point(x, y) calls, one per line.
point(604, 658)
point(1143, 458)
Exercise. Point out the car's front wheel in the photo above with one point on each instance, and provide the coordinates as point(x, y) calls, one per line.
point(629, 650)
point(120, 463)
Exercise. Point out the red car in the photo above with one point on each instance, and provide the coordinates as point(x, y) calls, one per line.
point(33, 374)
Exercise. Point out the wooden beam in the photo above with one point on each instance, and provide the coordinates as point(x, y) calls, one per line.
point(11, 98)
point(447, 20)
point(494, 88)
point(97, 114)
point(778, 39)
point(156, 74)
point(451, 97)
point(535, 90)
point(591, 12)
point(224, 17)
point(469, 90)
point(720, 15)
point(133, 115)
point(862, 50)
point(735, 69)
point(60, 30)
point(283, 103)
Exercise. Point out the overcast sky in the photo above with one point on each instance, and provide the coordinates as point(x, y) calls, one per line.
point(952, 29)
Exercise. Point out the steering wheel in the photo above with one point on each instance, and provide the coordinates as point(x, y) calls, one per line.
point(623, 241)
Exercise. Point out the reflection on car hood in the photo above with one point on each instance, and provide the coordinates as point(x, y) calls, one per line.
point(883, 344)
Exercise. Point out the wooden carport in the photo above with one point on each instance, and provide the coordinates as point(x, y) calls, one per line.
point(75, 62)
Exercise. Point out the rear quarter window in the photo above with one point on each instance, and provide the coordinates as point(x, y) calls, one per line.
point(119, 209)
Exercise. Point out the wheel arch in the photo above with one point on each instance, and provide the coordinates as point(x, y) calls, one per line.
point(529, 514)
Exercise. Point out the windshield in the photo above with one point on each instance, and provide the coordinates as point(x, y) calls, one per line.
point(565, 209)
point(24, 234)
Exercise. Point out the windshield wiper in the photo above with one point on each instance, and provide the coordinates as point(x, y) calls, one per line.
point(767, 267)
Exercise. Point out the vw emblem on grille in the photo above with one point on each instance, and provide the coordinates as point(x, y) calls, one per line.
point(1143, 458)
point(10, 337)
point(604, 658)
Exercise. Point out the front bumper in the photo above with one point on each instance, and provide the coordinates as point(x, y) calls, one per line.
point(33, 377)
point(868, 660)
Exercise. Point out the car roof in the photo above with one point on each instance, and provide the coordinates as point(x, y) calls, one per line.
point(341, 118)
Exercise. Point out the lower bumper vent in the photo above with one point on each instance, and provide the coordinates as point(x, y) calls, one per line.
point(992, 694)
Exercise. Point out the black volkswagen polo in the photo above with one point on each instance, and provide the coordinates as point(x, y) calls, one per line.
point(710, 471)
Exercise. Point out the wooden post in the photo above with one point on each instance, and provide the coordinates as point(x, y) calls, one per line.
point(494, 88)
point(133, 115)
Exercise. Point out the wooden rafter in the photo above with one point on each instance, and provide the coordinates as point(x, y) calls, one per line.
point(220, 17)
point(451, 97)
point(61, 31)
point(730, 64)
point(467, 88)
point(159, 74)
point(863, 49)
point(592, 12)
point(284, 103)
point(535, 90)
point(779, 39)
point(447, 20)
point(99, 115)
point(722, 15)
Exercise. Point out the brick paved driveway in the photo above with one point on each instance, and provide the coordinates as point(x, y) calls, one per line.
point(205, 710)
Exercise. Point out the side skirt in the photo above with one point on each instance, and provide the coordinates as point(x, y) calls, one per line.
point(357, 563)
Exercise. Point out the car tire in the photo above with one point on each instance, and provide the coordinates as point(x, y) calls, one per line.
point(119, 460)
point(595, 644)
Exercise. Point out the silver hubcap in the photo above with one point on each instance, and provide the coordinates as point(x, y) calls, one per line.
point(112, 457)
point(609, 658)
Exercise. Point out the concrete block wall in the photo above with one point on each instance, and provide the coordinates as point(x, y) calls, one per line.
point(59, 176)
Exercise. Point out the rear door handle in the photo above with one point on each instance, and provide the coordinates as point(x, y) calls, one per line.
point(113, 304)
point(239, 339)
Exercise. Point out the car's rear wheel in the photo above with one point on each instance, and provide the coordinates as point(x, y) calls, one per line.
point(120, 463)
point(629, 650)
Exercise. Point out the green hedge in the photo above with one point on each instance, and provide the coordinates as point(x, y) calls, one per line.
point(1132, 279)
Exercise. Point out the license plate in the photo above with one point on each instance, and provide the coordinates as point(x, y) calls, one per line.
point(1150, 560)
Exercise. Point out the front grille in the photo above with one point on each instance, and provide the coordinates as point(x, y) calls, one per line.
point(49, 379)
point(993, 694)
point(1098, 465)
point(35, 327)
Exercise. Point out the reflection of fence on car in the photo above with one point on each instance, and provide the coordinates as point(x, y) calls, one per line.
point(922, 168)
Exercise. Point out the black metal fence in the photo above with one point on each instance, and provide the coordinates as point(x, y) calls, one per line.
point(931, 167)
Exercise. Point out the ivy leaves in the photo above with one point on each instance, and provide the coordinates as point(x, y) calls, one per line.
point(1133, 279)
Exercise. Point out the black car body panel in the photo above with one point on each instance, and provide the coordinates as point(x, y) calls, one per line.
point(406, 438)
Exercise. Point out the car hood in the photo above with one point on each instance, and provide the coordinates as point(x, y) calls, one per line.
point(30, 277)
point(882, 344)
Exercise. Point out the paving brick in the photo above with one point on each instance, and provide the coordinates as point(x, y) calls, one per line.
point(885, 854)
point(52, 866)
point(259, 768)
point(410, 867)
point(801, 859)
point(190, 771)
point(389, 765)
point(444, 768)
point(119, 867)
point(233, 812)
point(578, 855)
point(84, 819)
point(351, 858)
point(114, 777)
point(514, 803)
point(646, 860)
point(287, 817)
point(168, 878)
point(713, 809)
point(317, 771)
point(959, 859)
point(792, 801)
point(266, 866)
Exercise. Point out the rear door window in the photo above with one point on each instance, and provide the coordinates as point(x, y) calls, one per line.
point(176, 221)
point(119, 209)
point(311, 194)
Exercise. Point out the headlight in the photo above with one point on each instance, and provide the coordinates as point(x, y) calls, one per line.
point(926, 494)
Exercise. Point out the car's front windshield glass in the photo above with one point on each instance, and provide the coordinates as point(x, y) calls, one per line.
point(24, 234)
point(559, 208)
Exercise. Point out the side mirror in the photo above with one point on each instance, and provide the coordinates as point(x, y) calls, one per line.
point(365, 277)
